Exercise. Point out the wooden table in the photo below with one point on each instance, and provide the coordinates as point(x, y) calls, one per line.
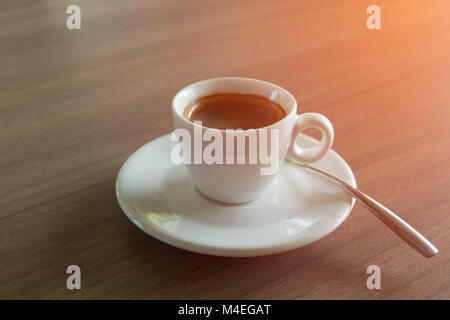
point(74, 104)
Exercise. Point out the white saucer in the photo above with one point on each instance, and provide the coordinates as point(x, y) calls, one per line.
point(300, 207)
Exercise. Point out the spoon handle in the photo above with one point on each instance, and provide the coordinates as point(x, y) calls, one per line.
point(394, 222)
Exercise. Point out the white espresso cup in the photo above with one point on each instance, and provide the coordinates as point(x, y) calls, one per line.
point(237, 182)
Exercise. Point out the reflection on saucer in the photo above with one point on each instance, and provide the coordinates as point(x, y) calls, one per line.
point(166, 221)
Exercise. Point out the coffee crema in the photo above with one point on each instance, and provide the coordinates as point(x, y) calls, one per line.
point(234, 111)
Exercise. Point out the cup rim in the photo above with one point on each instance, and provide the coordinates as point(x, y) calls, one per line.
point(262, 82)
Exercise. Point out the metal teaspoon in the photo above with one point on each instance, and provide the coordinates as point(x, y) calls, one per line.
point(394, 222)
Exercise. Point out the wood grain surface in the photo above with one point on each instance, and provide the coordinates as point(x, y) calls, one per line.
point(74, 104)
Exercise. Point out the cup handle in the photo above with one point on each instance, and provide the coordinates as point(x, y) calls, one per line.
point(311, 120)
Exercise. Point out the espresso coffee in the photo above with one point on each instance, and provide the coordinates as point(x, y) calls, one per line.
point(234, 111)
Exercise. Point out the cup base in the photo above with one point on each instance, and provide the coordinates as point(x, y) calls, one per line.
point(243, 199)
